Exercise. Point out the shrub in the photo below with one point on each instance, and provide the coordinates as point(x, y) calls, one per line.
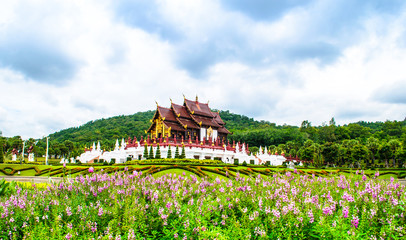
point(145, 152)
point(183, 154)
point(151, 153)
point(244, 164)
point(177, 152)
point(169, 152)
point(158, 152)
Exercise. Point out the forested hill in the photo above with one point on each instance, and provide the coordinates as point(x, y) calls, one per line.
point(245, 129)
point(107, 129)
point(135, 125)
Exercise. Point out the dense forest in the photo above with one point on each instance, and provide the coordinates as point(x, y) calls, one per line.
point(369, 143)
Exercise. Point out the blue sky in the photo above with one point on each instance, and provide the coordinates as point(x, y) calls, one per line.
point(63, 63)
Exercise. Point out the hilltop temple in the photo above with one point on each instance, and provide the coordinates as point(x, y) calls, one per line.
point(192, 126)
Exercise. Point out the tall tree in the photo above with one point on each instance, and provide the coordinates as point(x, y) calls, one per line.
point(385, 152)
point(401, 155)
point(330, 152)
point(358, 153)
point(1, 151)
point(394, 145)
point(373, 147)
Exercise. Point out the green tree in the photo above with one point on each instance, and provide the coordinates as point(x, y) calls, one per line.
point(69, 145)
point(392, 128)
point(183, 154)
point(359, 153)
point(169, 156)
point(394, 145)
point(151, 153)
point(158, 152)
point(318, 159)
point(330, 152)
point(401, 155)
point(1, 151)
point(16, 142)
point(308, 150)
point(146, 156)
point(254, 150)
point(292, 152)
point(342, 154)
point(373, 148)
point(177, 152)
point(385, 152)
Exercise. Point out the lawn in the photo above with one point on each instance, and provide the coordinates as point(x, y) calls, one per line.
point(208, 170)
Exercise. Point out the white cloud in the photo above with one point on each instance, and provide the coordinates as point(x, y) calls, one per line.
point(272, 70)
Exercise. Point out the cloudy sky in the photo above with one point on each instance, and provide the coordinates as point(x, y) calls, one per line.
point(64, 63)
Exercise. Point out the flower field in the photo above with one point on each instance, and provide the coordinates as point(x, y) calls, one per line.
point(133, 205)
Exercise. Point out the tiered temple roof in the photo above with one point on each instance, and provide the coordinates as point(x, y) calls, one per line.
point(185, 120)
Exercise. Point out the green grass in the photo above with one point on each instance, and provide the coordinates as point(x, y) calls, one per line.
point(178, 172)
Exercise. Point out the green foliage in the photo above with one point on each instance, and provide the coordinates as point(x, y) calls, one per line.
point(318, 160)
point(1, 151)
point(145, 154)
point(177, 152)
point(151, 153)
point(183, 154)
point(4, 187)
point(177, 161)
point(169, 155)
point(158, 152)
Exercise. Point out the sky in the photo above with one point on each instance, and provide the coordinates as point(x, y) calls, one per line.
point(64, 63)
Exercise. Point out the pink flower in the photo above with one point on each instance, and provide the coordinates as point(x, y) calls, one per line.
point(68, 236)
point(100, 211)
point(345, 212)
point(355, 221)
point(64, 165)
point(91, 169)
point(68, 211)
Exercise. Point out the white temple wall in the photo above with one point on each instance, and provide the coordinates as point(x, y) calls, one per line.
point(121, 155)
